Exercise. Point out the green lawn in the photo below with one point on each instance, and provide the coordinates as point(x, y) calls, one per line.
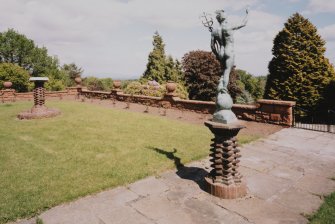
point(326, 213)
point(85, 150)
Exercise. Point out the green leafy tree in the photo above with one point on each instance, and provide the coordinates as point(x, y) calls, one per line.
point(328, 102)
point(156, 61)
point(260, 87)
point(15, 74)
point(71, 71)
point(93, 83)
point(234, 88)
point(98, 84)
point(107, 84)
point(54, 85)
point(18, 49)
point(255, 86)
point(245, 98)
point(202, 72)
point(179, 77)
point(299, 70)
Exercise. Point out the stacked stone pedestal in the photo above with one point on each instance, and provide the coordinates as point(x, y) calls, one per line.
point(224, 180)
point(39, 110)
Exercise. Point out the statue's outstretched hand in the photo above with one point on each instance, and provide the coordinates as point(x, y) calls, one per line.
point(247, 10)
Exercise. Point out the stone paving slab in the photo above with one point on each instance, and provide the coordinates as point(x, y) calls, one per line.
point(287, 176)
point(260, 211)
point(293, 198)
point(265, 186)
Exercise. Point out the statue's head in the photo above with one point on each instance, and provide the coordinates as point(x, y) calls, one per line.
point(220, 15)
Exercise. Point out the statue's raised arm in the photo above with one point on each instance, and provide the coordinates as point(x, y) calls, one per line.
point(244, 22)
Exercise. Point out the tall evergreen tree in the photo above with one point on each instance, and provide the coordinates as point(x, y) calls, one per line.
point(156, 61)
point(253, 84)
point(299, 70)
point(160, 67)
point(173, 71)
point(71, 71)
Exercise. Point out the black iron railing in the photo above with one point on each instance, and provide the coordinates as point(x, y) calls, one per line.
point(324, 122)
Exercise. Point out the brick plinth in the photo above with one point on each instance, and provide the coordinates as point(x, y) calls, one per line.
point(224, 180)
point(225, 191)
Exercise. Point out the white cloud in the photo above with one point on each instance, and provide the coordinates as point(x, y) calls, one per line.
point(320, 6)
point(293, 1)
point(254, 42)
point(328, 33)
point(113, 37)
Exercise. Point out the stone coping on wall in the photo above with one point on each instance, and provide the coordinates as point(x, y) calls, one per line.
point(140, 96)
point(194, 101)
point(277, 102)
point(95, 92)
point(120, 94)
point(68, 91)
point(245, 106)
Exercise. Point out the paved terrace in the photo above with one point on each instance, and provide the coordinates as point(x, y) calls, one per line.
point(287, 174)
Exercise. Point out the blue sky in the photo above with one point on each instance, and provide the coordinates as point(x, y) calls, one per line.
point(112, 38)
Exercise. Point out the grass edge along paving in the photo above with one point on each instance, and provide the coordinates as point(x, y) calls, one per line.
point(85, 150)
point(326, 213)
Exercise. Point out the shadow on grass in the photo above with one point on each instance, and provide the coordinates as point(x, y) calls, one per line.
point(195, 174)
point(7, 105)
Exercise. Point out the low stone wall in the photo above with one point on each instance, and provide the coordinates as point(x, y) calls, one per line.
point(265, 111)
point(9, 95)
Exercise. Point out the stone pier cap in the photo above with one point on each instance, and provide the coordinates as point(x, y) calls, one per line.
point(214, 124)
point(218, 128)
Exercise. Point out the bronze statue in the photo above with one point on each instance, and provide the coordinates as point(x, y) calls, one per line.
point(222, 45)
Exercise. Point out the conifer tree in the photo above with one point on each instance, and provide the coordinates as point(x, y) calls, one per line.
point(173, 71)
point(156, 61)
point(299, 70)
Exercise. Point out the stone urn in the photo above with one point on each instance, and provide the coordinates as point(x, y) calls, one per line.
point(78, 80)
point(116, 84)
point(7, 85)
point(170, 87)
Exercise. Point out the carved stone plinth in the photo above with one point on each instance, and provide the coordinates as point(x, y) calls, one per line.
point(39, 110)
point(224, 180)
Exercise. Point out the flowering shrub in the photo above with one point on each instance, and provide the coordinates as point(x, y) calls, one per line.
point(136, 88)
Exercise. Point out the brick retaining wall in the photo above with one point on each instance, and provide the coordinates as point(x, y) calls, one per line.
point(265, 111)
